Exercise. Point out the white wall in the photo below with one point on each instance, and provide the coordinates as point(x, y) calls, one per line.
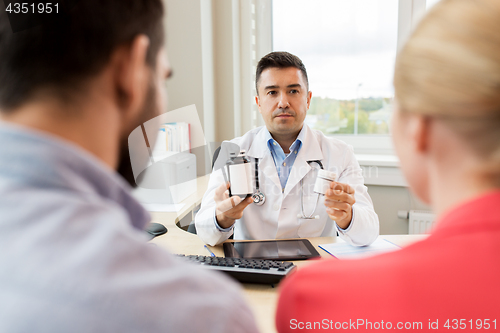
point(184, 48)
point(388, 200)
point(189, 49)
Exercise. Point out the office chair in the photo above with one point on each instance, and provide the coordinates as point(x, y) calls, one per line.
point(192, 227)
point(216, 154)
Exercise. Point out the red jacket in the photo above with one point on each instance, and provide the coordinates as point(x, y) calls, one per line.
point(452, 278)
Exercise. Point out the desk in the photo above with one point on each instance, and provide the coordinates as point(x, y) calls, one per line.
point(262, 298)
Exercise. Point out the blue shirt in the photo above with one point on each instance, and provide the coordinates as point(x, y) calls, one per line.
point(284, 162)
point(74, 258)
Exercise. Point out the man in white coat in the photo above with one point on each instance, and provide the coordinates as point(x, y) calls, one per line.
point(289, 155)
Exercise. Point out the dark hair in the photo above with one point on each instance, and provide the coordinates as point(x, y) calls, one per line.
point(72, 46)
point(279, 60)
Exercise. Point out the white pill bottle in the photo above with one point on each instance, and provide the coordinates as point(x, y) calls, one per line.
point(323, 181)
point(239, 171)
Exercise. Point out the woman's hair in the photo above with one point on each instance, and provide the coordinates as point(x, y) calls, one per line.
point(450, 69)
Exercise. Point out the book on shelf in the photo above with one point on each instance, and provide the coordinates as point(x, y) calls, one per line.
point(173, 137)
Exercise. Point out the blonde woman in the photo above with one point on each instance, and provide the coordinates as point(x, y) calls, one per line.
point(446, 130)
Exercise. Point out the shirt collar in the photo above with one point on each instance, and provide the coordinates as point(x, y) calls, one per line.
point(296, 145)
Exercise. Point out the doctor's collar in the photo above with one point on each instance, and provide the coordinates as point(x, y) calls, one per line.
point(271, 141)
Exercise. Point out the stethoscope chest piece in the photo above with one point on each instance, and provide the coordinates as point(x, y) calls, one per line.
point(258, 198)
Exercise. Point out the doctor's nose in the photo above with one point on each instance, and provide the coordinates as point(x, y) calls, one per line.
point(283, 102)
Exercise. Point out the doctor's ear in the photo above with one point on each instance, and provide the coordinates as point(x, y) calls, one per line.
point(309, 96)
point(257, 101)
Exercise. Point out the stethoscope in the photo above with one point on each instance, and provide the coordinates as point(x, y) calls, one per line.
point(259, 198)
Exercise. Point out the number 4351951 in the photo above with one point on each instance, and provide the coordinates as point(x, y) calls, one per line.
point(471, 324)
point(24, 8)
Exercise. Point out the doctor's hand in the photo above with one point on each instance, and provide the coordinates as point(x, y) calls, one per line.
point(338, 201)
point(228, 209)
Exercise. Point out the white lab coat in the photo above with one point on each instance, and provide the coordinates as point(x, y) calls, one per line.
point(277, 217)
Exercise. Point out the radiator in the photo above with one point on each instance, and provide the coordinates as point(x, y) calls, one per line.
point(421, 222)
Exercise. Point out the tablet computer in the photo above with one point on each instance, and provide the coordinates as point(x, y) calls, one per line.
point(294, 249)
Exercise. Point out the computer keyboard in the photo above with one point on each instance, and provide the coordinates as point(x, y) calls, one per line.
point(246, 270)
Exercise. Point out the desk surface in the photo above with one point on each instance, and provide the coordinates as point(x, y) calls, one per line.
point(262, 298)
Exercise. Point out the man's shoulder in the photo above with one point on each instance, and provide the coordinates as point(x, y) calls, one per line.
point(333, 149)
point(143, 287)
point(329, 140)
point(158, 280)
point(248, 137)
point(247, 140)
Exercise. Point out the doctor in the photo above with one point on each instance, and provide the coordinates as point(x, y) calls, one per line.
point(287, 153)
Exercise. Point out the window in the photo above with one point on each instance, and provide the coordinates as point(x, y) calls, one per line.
point(349, 49)
point(430, 3)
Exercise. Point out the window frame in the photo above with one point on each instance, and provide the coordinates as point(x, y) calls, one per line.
point(409, 14)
